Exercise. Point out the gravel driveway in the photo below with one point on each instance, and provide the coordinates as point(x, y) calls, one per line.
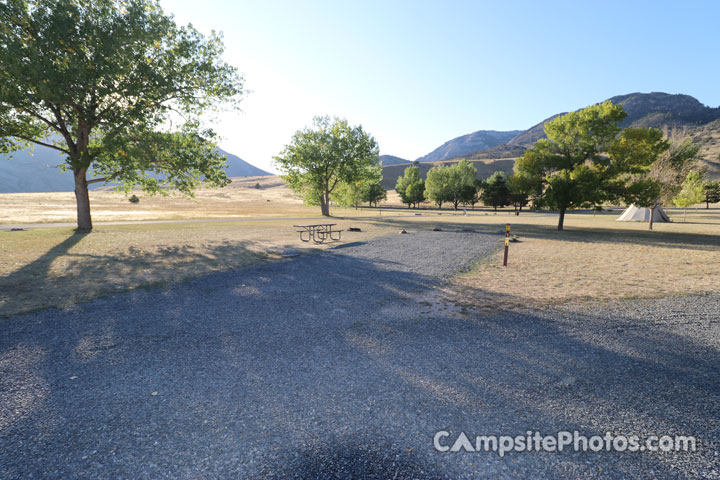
point(344, 364)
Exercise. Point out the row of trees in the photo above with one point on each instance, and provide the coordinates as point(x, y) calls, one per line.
point(586, 161)
point(457, 184)
point(139, 119)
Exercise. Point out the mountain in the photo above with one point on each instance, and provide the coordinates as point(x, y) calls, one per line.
point(656, 109)
point(237, 167)
point(36, 171)
point(472, 142)
point(386, 160)
point(675, 113)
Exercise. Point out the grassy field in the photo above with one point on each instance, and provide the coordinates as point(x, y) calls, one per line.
point(240, 199)
point(55, 267)
point(596, 258)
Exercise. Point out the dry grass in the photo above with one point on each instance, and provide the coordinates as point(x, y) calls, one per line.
point(597, 258)
point(238, 200)
point(54, 267)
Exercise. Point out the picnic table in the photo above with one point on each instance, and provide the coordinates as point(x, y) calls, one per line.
point(318, 232)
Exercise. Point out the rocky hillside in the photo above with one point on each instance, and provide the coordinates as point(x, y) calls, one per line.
point(657, 110)
point(466, 144)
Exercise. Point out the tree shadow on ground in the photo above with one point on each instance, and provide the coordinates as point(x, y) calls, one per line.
point(694, 241)
point(331, 364)
point(63, 276)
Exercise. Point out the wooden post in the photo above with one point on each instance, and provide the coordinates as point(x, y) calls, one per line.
point(507, 244)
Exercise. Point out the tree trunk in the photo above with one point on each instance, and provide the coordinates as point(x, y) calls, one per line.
point(561, 220)
point(325, 205)
point(82, 199)
point(652, 216)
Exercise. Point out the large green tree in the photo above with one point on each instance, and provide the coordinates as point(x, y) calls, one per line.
point(437, 185)
point(410, 186)
point(461, 183)
point(320, 159)
point(117, 88)
point(570, 163)
point(634, 154)
point(651, 168)
point(495, 191)
point(520, 187)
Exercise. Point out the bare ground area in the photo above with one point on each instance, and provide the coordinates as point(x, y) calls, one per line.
point(597, 258)
point(344, 364)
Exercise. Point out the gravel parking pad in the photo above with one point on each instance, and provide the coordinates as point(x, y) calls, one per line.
point(344, 364)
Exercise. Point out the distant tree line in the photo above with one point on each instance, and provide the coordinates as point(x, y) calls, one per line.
point(586, 161)
point(458, 184)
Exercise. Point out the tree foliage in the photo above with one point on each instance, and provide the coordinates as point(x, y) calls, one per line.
point(117, 88)
point(569, 163)
point(318, 160)
point(410, 186)
point(495, 191)
point(366, 189)
point(437, 185)
point(462, 183)
point(520, 187)
point(452, 183)
point(712, 192)
point(650, 167)
point(692, 191)
point(372, 193)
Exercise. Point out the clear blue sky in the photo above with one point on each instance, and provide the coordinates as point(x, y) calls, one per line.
point(416, 74)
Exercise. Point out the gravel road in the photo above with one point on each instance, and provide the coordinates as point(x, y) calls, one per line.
point(344, 364)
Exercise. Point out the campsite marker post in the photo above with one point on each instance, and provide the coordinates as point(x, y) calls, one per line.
point(507, 243)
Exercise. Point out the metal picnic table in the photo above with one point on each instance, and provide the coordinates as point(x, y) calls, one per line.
point(318, 232)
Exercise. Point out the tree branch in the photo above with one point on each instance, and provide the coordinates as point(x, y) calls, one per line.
point(38, 142)
point(97, 180)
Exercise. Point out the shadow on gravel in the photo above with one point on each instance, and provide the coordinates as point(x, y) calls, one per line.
point(224, 376)
point(348, 245)
point(353, 460)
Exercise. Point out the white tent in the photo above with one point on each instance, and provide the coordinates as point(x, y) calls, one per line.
point(641, 214)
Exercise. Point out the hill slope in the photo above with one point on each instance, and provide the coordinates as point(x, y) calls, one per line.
point(30, 172)
point(656, 109)
point(386, 160)
point(465, 144)
point(676, 114)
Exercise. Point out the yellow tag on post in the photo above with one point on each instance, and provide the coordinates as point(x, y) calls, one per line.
point(507, 228)
point(507, 242)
